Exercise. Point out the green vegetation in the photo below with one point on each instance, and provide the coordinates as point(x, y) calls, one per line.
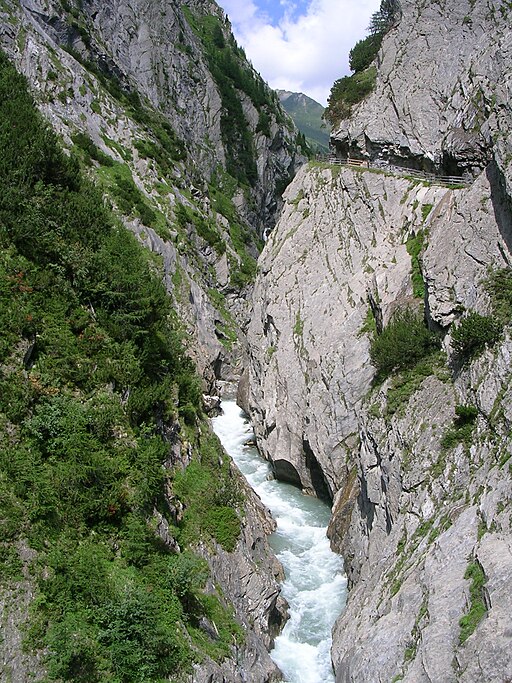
point(499, 286)
point(210, 496)
point(402, 344)
point(477, 609)
point(93, 379)
point(348, 91)
point(298, 327)
point(369, 325)
point(473, 334)
point(462, 429)
point(364, 52)
point(425, 211)
point(127, 195)
point(227, 329)
point(353, 89)
point(91, 151)
point(385, 17)
point(414, 248)
point(204, 227)
point(405, 383)
point(232, 75)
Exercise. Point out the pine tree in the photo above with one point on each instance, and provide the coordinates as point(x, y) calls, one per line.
point(387, 14)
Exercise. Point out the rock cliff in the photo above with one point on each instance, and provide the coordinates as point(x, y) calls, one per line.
point(200, 146)
point(441, 98)
point(156, 102)
point(421, 504)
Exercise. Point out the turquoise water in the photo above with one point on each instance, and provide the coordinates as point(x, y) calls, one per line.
point(314, 586)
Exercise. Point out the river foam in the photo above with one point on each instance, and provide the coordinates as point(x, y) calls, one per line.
point(314, 585)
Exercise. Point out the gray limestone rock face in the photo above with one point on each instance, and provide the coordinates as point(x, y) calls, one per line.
point(442, 94)
point(339, 245)
point(249, 577)
point(410, 515)
point(18, 665)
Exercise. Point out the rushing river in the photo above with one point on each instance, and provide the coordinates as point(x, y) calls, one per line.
point(314, 586)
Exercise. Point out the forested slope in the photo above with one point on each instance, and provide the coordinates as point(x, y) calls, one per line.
point(100, 412)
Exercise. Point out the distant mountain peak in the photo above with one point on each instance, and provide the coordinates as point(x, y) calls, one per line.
point(308, 117)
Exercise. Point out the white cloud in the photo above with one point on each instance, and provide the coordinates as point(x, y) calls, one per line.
point(306, 53)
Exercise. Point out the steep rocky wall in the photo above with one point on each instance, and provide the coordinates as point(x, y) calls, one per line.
point(338, 248)
point(409, 515)
point(120, 71)
point(442, 95)
point(115, 72)
point(420, 514)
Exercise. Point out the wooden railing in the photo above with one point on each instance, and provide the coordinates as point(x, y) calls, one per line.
point(397, 170)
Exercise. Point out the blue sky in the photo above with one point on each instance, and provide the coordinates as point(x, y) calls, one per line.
point(277, 10)
point(300, 45)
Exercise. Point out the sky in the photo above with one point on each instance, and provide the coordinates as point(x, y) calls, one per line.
point(300, 45)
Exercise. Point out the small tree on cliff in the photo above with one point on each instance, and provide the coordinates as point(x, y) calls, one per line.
point(385, 17)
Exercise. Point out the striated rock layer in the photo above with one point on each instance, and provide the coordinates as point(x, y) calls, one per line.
point(422, 521)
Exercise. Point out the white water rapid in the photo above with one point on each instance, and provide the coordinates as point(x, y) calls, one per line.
point(314, 586)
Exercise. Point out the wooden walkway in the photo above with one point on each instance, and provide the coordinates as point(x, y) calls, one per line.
point(397, 170)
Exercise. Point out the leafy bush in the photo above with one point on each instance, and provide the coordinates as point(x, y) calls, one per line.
point(90, 150)
point(499, 286)
point(93, 376)
point(128, 196)
point(477, 609)
point(364, 52)
point(407, 382)
point(414, 248)
point(210, 495)
point(473, 334)
point(402, 343)
point(205, 228)
point(348, 91)
point(224, 525)
point(462, 430)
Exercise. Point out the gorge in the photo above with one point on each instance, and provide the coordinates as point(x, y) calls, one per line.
point(369, 336)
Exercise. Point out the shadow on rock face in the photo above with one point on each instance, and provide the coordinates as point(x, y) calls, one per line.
point(285, 471)
point(502, 205)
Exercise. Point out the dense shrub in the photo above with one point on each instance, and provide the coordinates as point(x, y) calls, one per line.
point(499, 286)
point(402, 343)
point(210, 500)
point(474, 333)
point(477, 608)
point(364, 52)
point(92, 373)
point(414, 248)
point(462, 430)
point(348, 91)
point(90, 150)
